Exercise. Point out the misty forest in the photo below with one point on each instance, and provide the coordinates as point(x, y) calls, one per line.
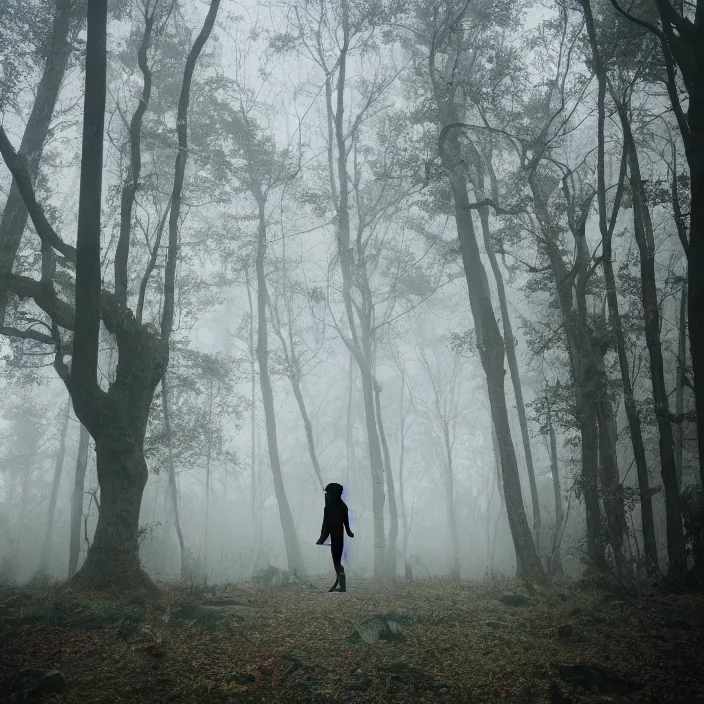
point(431, 271)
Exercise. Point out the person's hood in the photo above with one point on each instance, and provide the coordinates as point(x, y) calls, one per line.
point(334, 491)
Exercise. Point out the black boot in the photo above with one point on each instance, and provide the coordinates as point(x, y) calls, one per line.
point(334, 586)
point(342, 580)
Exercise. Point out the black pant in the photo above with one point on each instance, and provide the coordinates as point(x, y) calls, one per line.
point(336, 545)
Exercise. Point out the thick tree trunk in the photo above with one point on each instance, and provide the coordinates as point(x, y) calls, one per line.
point(293, 551)
point(491, 352)
point(589, 484)
point(390, 489)
point(612, 490)
point(123, 412)
point(14, 217)
point(113, 557)
point(77, 501)
point(51, 513)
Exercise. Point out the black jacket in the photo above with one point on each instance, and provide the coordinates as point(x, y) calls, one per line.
point(335, 515)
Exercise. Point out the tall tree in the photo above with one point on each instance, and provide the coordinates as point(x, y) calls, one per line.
point(116, 418)
point(333, 36)
point(443, 32)
point(607, 224)
point(680, 35)
point(483, 162)
point(265, 169)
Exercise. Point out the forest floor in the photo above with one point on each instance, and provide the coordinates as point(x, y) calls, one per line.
point(423, 641)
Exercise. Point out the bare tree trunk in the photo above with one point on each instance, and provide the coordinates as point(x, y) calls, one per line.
point(256, 515)
point(377, 465)
point(612, 490)
point(293, 372)
point(298, 394)
point(293, 551)
point(173, 488)
point(643, 231)
point(208, 457)
point(456, 569)
point(502, 499)
point(51, 513)
point(679, 385)
point(21, 519)
point(14, 217)
point(349, 447)
point(393, 511)
point(77, 501)
point(354, 274)
point(579, 346)
point(606, 229)
point(510, 346)
point(408, 572)
point(555, 563)
point(491, 352)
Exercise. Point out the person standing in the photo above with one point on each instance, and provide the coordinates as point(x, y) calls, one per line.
point(335, 518)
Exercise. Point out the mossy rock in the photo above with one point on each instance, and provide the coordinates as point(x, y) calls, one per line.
point(378, 628)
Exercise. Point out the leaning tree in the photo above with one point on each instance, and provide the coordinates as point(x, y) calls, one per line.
point(75, 307)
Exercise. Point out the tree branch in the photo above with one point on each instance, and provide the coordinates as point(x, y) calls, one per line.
point(62, 313)
point(129, 190)
point(28, 334)
point(167, 319)
point(18, 169)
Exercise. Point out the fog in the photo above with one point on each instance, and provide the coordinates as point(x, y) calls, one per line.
point(432, 251)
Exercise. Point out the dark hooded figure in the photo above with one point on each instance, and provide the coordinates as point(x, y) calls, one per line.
point(335, 518)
